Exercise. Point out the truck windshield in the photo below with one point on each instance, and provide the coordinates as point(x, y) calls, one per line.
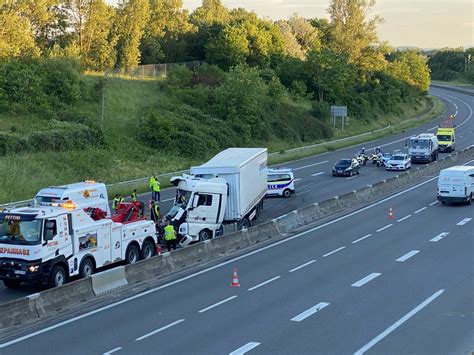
point(444, 137)
point(182, 198)
point(20, 232)
point(419, 143)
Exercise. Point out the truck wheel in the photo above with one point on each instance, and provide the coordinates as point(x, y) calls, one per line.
point(286, 193)
point(205, 234)
point(469, 199)
point(148, 249)
point(87, 268)
point(244, 224)
point(132, 255)
point(57, 276)
point(12, 283)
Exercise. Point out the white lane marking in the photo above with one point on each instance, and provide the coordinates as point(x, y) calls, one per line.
point(224, 263)
point(309, 312)
point(217, 304)
point(421, 209)
point(302, 266)
point(351, 177)
point(439, 237)
point(245, 348)
point(406, 217)
point(396, 150)
point(434, 203)
point(398, 323)
point(263, 283)
point(463, 222)
point(358, 240)
point(310, 165)
point(432, 128)
point(112, 351)
point(334, 251)
point(408, 255)
point(159, 330)
point(302, 192)
point(383, 228)
point(168, 199)
point(297, 180)
point(317, 174)
point(366, 279)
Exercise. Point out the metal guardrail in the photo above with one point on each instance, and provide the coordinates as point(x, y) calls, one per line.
point(450, 88)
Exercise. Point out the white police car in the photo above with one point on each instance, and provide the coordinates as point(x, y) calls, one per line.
point(280, 182)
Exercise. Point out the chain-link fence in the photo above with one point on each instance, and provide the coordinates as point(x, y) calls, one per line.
point(151, 71)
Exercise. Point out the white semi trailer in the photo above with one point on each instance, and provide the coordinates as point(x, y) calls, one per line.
point(226, 193)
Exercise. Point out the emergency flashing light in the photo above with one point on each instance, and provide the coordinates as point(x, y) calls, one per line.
point(69, 205)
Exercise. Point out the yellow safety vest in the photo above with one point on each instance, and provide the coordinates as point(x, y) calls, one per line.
point(134, 197)
point(169, 232)
point(156, 186)
point(152, 181)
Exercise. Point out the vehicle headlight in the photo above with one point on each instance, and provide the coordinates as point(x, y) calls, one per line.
point(349, 168)
point(33, 268)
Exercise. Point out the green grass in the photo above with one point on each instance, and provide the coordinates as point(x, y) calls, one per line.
point(124, 158)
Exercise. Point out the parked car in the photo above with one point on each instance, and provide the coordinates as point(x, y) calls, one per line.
point(399, 162)
point(346, 167)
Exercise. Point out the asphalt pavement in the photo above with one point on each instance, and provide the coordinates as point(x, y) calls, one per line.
point(360, 283)
point(314, 181)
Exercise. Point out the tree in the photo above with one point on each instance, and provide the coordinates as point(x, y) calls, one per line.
point(211, 12)
point(166, 32)
point(299, 36)
point(411, 67)
point(229, 49)
point(16, 33)
point(291, 46)
point(351, 31)
point(98, 39)
point(130, 25)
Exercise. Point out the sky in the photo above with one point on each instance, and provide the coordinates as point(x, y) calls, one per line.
point(420, 23)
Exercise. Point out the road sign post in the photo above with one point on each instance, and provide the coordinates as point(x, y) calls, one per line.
point(339, 111)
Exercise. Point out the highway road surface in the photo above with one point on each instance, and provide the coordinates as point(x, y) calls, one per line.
point(362, 283)
point(314, 181)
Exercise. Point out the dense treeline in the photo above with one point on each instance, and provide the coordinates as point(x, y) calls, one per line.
point(263, 80)
point(452, 64)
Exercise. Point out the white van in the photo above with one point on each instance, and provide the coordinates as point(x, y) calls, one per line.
point(82, 194)
point(280, 182)
point(456, 184)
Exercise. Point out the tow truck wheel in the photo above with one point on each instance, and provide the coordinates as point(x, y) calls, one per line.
point(148, 250)
point(205, 234)
point(87, 268)
point(132, 255)
point(12, 283)
point(57, 277)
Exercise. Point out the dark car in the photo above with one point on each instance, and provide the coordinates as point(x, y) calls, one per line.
point(346, 167)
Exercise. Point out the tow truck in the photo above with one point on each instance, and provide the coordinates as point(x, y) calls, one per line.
point(50, 244)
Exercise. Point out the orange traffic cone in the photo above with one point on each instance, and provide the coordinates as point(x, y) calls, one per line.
point(390, 213)
point(158, 249)
point(235, 279)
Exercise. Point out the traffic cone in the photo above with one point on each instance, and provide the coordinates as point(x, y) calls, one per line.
point(235, 279)
point(390, 213)
point(158, 249)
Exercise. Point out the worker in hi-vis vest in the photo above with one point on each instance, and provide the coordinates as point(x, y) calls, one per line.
point(155, 189)
point(170, 236)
